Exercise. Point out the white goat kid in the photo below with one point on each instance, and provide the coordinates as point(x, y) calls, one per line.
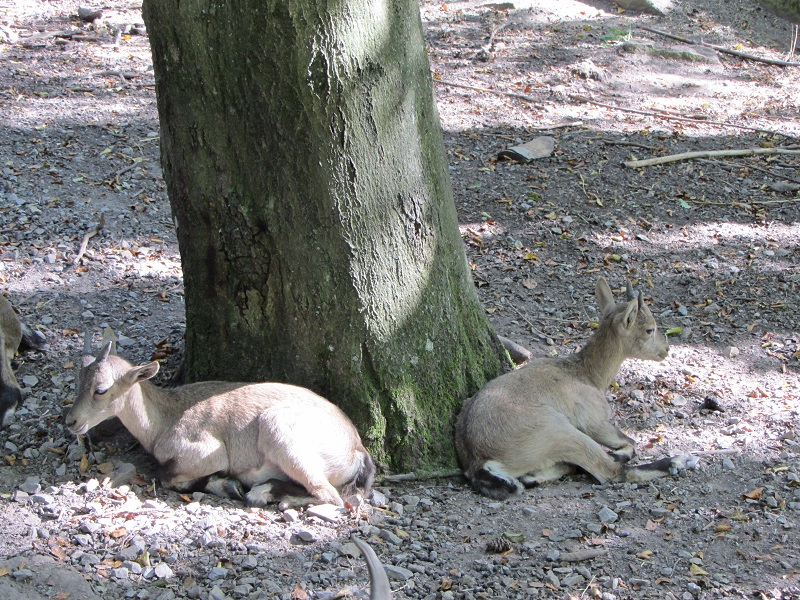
point(271, 438)
point(537, 423)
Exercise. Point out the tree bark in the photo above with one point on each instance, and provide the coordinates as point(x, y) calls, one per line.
point(306, 170)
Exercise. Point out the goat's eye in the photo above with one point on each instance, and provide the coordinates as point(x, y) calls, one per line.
point(650, 331)
point(100, 391)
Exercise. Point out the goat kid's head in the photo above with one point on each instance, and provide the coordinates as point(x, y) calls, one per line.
point(632, 323)
point(103, 383)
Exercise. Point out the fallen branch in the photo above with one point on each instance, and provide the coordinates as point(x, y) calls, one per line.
point(443, 474)
point(660, 160)
point(585, 99)
point(660, 115)
point(64, 33)
point(769, 61)
point(88, 236)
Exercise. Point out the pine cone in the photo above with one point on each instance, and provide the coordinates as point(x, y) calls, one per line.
point(499, 545)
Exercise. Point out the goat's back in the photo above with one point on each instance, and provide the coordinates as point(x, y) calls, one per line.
point(273, 421)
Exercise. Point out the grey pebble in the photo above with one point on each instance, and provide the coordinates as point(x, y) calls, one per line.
point(606, 515)
point(398, 573)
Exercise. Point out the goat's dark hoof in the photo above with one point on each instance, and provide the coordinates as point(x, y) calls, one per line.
point(227, 488)
point(233, 489)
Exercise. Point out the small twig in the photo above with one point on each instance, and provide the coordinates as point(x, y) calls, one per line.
point(557, 125)
point(487, 90)
point(124, 170)
point(737, 204)
point(660, 160)
point(497, 30)
point(111, 73)
point(623, 143)
point(769, 61)
point(88, 236)
point(524, 318)
point(716, 452)
point(732, 165)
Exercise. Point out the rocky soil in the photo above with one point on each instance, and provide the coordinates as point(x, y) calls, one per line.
point(713, 241)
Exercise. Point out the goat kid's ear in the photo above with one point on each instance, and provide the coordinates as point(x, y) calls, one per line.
point(605, 299)
point(140, 373)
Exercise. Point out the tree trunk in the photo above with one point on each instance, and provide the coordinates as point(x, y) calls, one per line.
point(306, 169)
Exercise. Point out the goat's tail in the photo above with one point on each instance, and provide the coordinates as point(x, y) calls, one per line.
point(363, 478)
point(491, 481)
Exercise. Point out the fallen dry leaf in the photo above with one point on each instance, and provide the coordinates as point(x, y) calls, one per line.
point(105, 468)
point(755, 494)
point(299, 593)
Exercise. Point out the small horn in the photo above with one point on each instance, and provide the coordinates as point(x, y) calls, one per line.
point(630, 291)
point(87, 343)
point(103, 354)
point(110, 336)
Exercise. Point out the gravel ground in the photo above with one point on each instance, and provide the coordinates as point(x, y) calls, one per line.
point(713, 243)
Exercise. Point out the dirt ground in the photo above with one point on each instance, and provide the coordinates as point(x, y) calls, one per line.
point(713, 241)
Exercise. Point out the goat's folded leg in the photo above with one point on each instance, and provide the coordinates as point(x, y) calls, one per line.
point(211, 484)
point(611, 436)
point(287, 494)
point(573, 447)
point(540, 476)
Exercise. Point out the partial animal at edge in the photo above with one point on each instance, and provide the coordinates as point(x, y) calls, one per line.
point(258, 441)
point(539, 422)
point(14, 337)
point(379, 588)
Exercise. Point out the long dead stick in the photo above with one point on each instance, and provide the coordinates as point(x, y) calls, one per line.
point(587, 100)
point(660, 160)
point(88, 236)
point(769, 61)
point(660, 115)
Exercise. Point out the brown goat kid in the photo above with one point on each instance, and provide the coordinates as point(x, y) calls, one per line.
point(13, 337)
point(270, 438)
point(538, 423)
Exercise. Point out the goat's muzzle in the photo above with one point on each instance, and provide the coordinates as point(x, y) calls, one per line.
point(75, 427)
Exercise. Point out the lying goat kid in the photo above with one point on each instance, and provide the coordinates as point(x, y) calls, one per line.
point(215, 435)
point(13, 337)
point(537, 423)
